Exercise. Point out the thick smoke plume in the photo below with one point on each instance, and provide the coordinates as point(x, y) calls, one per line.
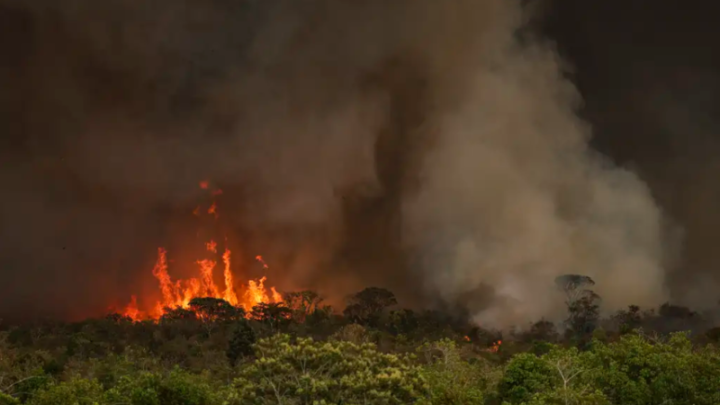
point(652, 95)
point(424, 146)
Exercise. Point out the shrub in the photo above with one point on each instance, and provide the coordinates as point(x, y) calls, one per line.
point(176, 388)
point(450, 379)
point(637, 370)
point(76, 392)
point(310, 372)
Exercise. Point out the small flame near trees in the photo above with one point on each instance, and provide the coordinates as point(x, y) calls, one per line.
point(179, 293)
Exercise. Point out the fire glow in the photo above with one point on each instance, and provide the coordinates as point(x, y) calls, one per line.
point(178, 294)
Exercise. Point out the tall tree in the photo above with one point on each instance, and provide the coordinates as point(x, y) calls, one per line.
point(303, 303)
point(366, 307)
point(275, 315)
point(582, 303)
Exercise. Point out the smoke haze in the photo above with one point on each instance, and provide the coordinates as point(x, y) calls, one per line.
point(423, 146)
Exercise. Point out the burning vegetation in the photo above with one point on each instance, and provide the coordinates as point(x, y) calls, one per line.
point(179, 294)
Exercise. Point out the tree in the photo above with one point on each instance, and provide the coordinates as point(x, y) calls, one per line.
point(275, 315)
point(352, 333)
point(638, 370)
point(215, 309)
point(574, 286)
point(525, 375)
point(177, 388)
point(583, 305)
point(77, 391)
point(367, 306)
point(303, 304)
point(452, 380)
point(628, 320)
point(541, 331)
point(20, 373)
point(558, 377)
point(178, 314)
point(402, 322)
point(337, 372)
point(241, 342)
point(583, 316)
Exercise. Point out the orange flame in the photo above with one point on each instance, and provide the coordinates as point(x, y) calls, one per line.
point(230, 295)
point(495, 347)
point(178, 294)
point(213, 210)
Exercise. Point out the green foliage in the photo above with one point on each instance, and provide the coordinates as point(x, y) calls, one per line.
point(176, 388)
point(638, 370)
point(569, 396)
point(310, 372)
point(20, 373)
point(109, 370)
point(635, 371)
point(73, 392)
point(553, 378)
point(241, 342)
point(6, 399)
point(450, 379)
point(628, 320)
point(208, 355)
point(402, 322)
point(525, 375)
point(352, 333)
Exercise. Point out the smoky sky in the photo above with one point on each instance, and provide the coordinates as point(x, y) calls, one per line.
point(433, 148)
point(648, 72)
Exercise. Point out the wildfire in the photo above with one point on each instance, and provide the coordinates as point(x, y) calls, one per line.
point(495, 347)
point(179, 293)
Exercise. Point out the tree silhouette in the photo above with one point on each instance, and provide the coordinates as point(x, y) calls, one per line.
point(241, 341)
point(574, 286)
point(303, 303)
point(582, 303)
point(367, 306)
point(274, 315)
point(215, 309)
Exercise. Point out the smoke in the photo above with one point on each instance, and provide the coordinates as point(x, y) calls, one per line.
point(653, 104)
point(423, 146)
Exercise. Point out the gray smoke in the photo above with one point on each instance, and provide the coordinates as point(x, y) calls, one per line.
point(422, 146)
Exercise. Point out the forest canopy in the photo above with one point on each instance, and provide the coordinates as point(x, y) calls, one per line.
point(301, 351)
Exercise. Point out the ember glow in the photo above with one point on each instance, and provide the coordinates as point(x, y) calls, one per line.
point(495, 347)
point(179, 293)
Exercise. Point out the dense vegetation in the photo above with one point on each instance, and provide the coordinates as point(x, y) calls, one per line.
point(301, 352)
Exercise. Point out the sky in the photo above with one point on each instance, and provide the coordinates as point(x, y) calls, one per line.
point(461, 154)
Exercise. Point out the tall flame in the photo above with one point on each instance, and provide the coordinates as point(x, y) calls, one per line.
point(178, 294)
point(229, 295)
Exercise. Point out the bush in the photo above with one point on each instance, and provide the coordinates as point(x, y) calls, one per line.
point(352, 333)
point(633, 371)
point(637, 370)
point(450, 379)
point(525, 375)
point(310, 372)
point(75, 392)
point(176, 388)
point(241, 342)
